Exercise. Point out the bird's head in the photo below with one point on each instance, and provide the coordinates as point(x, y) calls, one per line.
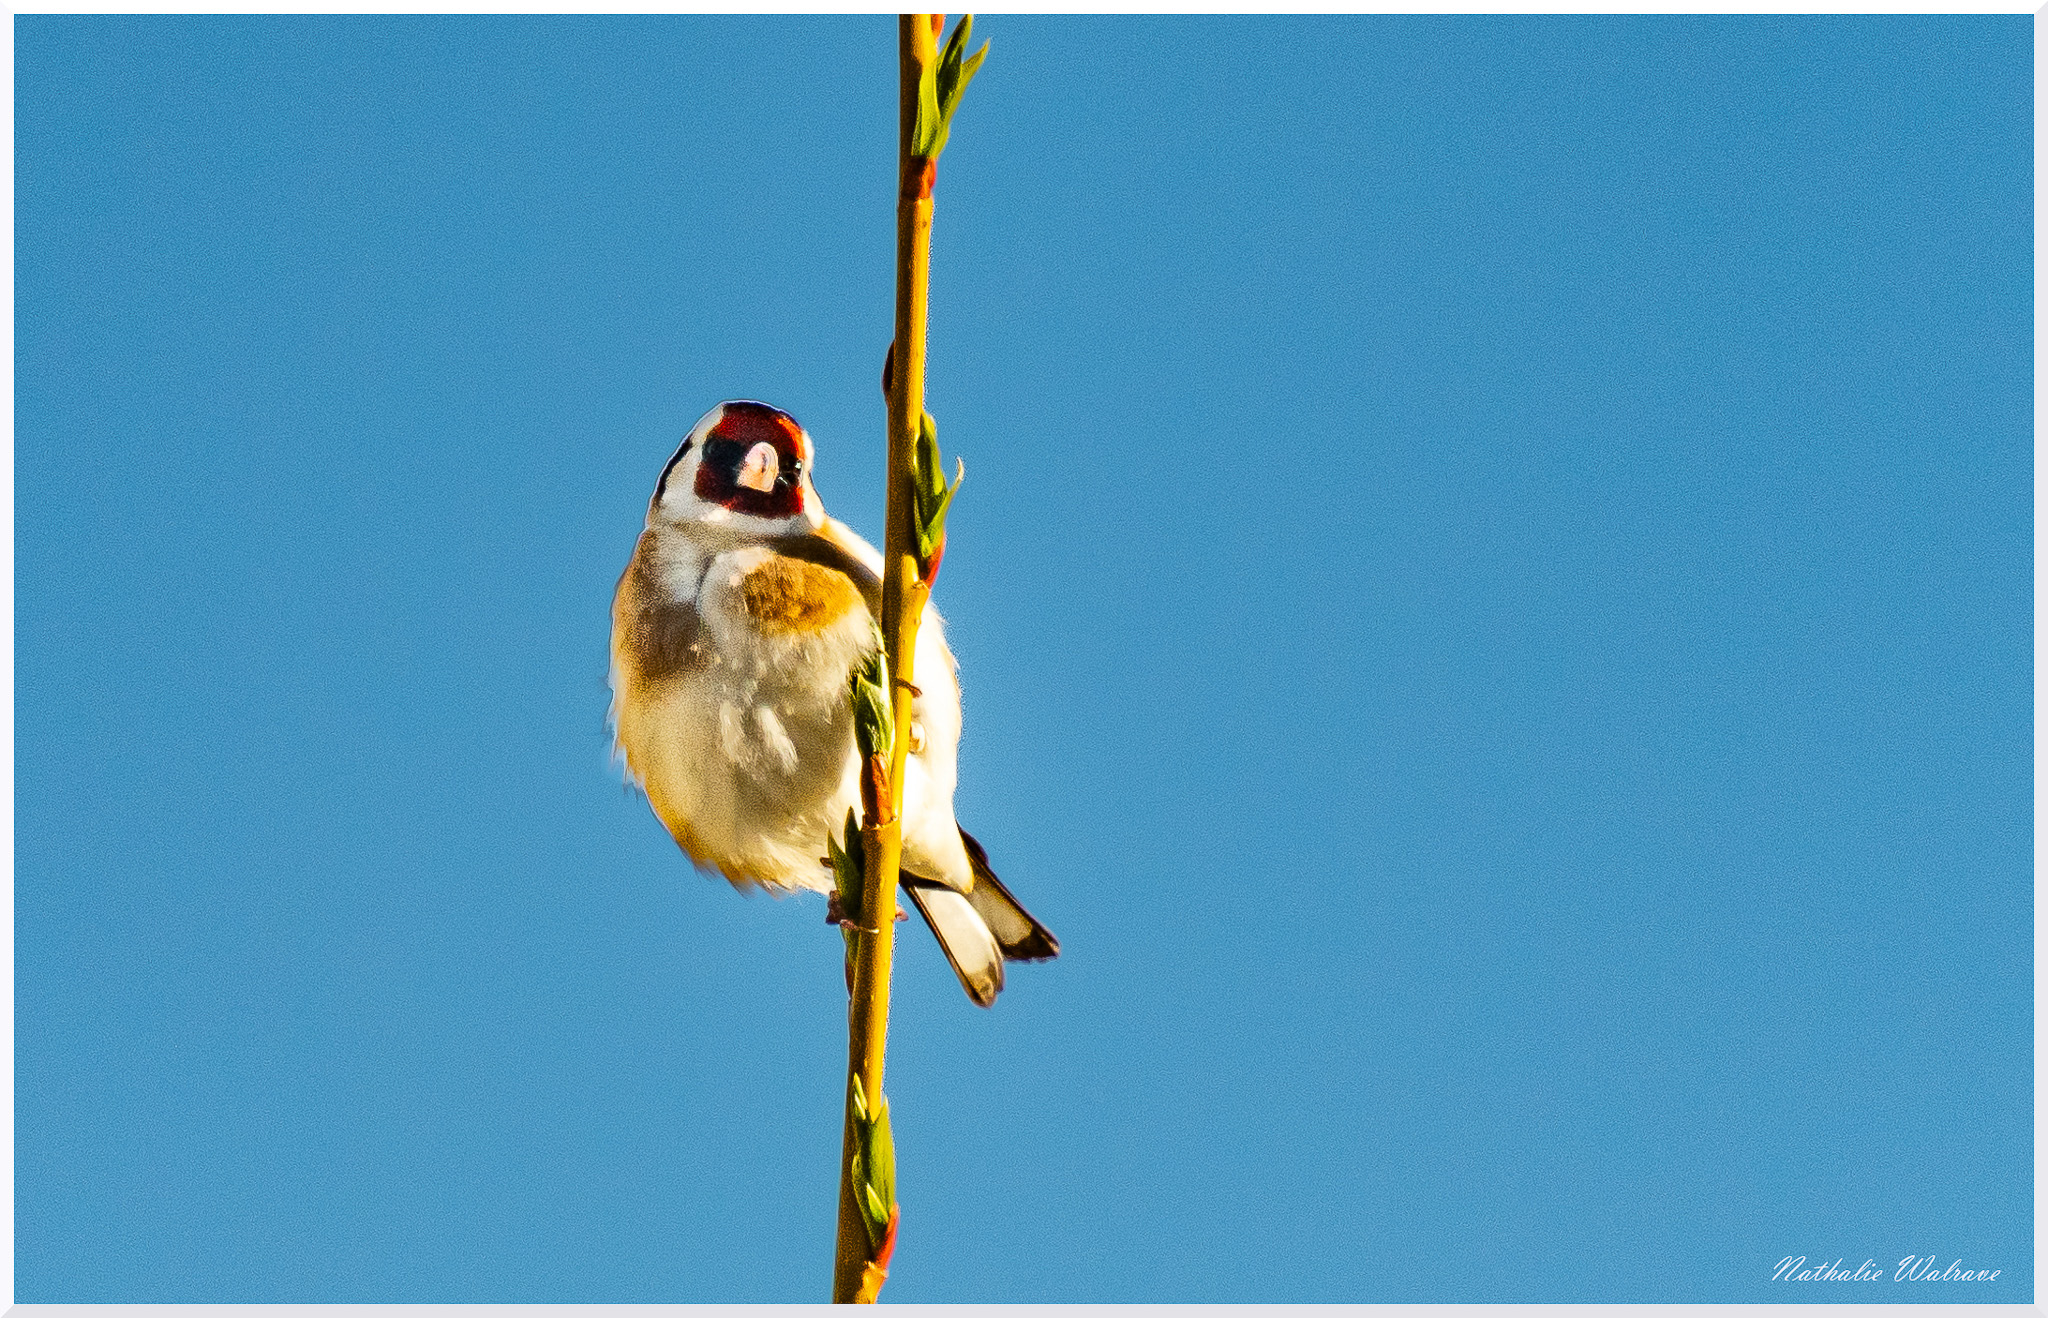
point(745, 466)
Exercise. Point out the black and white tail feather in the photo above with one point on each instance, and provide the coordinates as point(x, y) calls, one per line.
point(981, 929)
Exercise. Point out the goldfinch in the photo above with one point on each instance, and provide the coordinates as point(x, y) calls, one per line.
point(735, 628)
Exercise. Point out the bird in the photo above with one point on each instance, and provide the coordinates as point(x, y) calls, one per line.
point(736, 626)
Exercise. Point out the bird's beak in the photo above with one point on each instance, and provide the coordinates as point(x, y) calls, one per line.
point(761, 468)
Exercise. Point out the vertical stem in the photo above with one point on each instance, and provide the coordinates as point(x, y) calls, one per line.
point(902, 608)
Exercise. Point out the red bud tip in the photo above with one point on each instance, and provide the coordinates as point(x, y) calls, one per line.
point(888, 1248)
point(919, 173)
point(874, 792)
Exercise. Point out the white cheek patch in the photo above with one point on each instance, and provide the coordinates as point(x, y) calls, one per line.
point(761, 468)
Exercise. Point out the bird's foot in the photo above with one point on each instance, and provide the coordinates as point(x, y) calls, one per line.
point(834, 914)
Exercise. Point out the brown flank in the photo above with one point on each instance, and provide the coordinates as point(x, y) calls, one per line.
point(660, 633)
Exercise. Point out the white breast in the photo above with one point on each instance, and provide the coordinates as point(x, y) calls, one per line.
point(752, 753)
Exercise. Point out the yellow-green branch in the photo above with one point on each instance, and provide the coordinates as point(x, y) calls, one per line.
point(857, 1274)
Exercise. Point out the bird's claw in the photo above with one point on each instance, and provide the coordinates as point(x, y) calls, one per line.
point(835, 915)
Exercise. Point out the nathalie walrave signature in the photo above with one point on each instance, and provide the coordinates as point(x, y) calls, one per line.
point(1914, 1267)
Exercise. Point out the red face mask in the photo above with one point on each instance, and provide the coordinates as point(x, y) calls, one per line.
point(754, 462)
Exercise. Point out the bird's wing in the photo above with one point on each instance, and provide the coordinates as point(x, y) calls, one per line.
point(844, 536)
point(931, 839)
point(834, 546)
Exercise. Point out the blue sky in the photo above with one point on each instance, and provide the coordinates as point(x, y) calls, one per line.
point(1492, 592)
